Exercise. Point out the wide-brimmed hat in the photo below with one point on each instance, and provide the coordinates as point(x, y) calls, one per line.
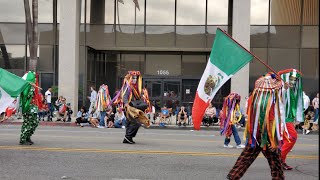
point(268, 81)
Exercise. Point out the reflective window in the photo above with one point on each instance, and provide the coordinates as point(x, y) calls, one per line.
point(45, 61)
point(160, 36)
point(256, 68)
point(12, 11)
point(45, 33)
point(285, 12)
point(190, 12)
point(127, 13)
point(310, 12)
point(258, 36)
point(12, 34)
point(193, 65)
point(12, 58)
point(160, 12)
point(45, 8)
point(285, 36)
point(217, 12)
point(46, 81)
point(281, 59)
point(132, 62)
point(130, 35)
point(310, 70)
point(100, 36)
point(163, 65)
point(191, 36)
point(211, 33)
point(310, 37)
point(259, 12)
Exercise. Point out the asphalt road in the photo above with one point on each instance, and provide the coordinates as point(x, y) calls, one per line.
point(87, 153)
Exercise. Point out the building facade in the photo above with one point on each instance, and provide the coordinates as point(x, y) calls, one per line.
point(86, 43)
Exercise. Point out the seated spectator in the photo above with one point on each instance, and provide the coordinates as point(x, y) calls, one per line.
point(210, 116)
point(82, 116)
point(94, 117)
point(119, 119)
point(182, 116)
point(163, 115)
point(109, 118)
point(63, 110)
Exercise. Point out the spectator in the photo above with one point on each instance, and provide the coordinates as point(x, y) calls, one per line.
point(63, 110)
point(94, 117)
point(315, 104)
point(119, 119)
point(109, 118)
point(210, 115)
point(182, 116)
point(163, 115)
point(48, 101)
point(82, 116)
point(92, 98)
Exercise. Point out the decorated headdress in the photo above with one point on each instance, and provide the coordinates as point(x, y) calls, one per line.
point(293, 96)
point(103, 98)
point(266, 123)
point(230, 109)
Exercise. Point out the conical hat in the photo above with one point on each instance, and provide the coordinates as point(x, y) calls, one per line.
point(267, 82)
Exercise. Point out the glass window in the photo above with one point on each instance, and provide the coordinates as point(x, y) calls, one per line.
point(132, 62)
point(46, 81)
point(281, 59)
point(259, 12)
point(258, 36)
point(100, 36)
point(160, 36)
point(82, 11)
point(310, 70)
point(45, 33)
point(285, 12)
point(191, 36)
point(285, 36)
point(45, 61)
point(211, 33)
point(256, 68)
point(12, 58)
point(310, 12)
point(109, 12)
point(163, 65)
point(160, 12)
point(127, 13)
point(12, 11)
point(130, 35)
point(217, 12)
point(12, 34)
point(45, 8)
point(190, 12)
point(193, 65)
point(310, 37)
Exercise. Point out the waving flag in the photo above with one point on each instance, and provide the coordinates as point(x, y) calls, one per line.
point(227, 57)
point(10, 87)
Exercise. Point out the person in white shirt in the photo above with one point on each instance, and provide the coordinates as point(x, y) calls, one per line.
point(315, 104)
point(48, 95)
point(92, 98)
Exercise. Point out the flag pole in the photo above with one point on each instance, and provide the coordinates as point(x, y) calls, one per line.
point(252, 54)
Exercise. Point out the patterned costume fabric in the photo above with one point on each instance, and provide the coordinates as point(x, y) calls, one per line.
point(264, 128)
point(29, 106)
point(293, 105)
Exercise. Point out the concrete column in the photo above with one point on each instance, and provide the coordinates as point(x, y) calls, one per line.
point(68, 79)
point(241, 33)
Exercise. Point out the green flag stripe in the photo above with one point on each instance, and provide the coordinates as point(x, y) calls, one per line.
point(227, 55)
point(12, 83)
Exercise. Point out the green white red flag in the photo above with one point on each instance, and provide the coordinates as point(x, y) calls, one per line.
point(10, 88)
point(226, 58)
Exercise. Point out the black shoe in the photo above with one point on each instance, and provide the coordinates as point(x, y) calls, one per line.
point(128, 140)
point(24, 143)
point(29, 141)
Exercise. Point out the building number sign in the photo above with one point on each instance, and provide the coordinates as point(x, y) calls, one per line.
point(163, 72)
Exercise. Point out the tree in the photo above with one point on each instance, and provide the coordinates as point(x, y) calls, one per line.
point(32, 32)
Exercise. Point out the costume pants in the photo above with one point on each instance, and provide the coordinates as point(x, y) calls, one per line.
point(132, 127)
point(235, 135)
point(247, 157)
point(29, 125)
point(287, 146)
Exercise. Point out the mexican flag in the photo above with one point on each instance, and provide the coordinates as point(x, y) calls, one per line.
point(10, 88)
point(227, 57)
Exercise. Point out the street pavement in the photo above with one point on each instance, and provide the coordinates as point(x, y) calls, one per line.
point(76, 153)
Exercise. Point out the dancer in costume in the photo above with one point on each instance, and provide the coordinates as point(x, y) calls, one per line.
point(131, 91)
point(293, 103)
point(264, 128)
point(29, 102)
point(103, 104)
point(230, 116)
